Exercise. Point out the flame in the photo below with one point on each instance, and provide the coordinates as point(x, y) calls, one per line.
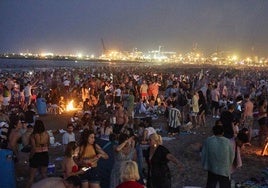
point(265, 149)
point(70, 106)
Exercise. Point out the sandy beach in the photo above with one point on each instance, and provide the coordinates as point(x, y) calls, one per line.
point(185, 147)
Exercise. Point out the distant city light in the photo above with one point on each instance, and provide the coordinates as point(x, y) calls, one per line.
point(79, 55)
point(160, 56)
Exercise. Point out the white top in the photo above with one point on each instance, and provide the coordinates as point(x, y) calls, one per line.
point(67, 137)
point(150, 130)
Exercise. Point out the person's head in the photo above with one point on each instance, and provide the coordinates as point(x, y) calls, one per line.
point(129, 171)
point(39, 127)
point(200, 93)
point(246, 96)
point(231, 107)
point(73, 182)
point(155, 139)
point(70, 149)
point(70, 127)
point(217, 129)
point(122, 138)
point(87, 137)
point(15, 121)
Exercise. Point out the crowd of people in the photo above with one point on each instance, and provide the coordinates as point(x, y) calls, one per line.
point(111, 99)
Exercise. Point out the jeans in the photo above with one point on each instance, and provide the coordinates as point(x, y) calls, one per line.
point(213, 179)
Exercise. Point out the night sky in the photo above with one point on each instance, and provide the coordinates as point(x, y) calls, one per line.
point(72, 26)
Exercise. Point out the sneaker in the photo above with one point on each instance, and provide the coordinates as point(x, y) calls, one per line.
point(218, 117)
point(214, 116)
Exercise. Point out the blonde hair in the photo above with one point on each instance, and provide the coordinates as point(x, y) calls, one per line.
point(129, 171)
point(156, 137)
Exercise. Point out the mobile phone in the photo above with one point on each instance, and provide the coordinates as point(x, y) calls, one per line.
point(85, 168)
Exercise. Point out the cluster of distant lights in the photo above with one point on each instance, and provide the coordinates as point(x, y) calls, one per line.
point(156, 55)
point(47, 55)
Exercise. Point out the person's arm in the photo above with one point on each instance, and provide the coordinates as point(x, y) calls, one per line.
point(101, 153)
point(173, 159)
point(122, 145)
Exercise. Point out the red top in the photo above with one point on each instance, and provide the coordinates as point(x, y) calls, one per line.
point(75, 169)
point(130, 184)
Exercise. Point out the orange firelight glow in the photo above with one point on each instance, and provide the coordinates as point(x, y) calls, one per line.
point(70, 106)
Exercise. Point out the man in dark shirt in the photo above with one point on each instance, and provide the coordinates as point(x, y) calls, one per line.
point(227, 118)
point(29, 115)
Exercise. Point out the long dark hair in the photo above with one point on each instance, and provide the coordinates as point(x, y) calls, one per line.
point(39, 127)
point(84, 141)
point(71, 146)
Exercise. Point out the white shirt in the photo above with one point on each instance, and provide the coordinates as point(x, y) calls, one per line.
point(150, 130)
point(66, 83)
point(67, 137)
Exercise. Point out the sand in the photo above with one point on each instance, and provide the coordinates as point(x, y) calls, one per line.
point(185, 147)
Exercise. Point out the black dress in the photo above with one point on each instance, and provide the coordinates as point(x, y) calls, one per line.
point(158, 172)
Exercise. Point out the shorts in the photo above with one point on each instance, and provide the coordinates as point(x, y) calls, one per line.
point(144, 95)
point(215, 104)
point(40, 159)
point(193, 114)
point(91, 176)
point(248, 122)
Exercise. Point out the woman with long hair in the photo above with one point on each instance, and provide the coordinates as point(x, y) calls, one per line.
point(69, 166)
point(39, 157)
point(89, 154)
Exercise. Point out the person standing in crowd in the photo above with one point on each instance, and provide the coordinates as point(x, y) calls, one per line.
point(227, 119)
point(14, 135)
point(202, 109)
point(130, 106)
point(84, 92)
point(121, 118)
point(68, 136)
point(28, 92)
point(144, 90)
point(217, 158)
point(6, 98)
point(174, 120)
point(117, 94)
point(215, 97)
point(194, 110)
point(157, 157)
point(69, 166)
point(89, 153)
point(209, 98)
point(124, 151)
point(30, 115)
point(155, 89)
point(129, 175)
point(247, 116)
point(39, 157)
point(241, 139)
point(262, 120)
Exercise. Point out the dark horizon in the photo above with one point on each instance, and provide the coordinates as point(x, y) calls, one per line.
point(65, 26)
